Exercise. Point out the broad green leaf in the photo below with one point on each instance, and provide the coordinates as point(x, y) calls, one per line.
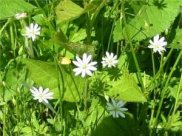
point(117, 83)
point(117, 127)
point(126, 89)
point(177, 42)
point(46, 74)
point(9, 8)
point(67, 10)
point(151, 19)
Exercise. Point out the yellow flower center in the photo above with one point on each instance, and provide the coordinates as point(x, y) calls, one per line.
point(84, 66)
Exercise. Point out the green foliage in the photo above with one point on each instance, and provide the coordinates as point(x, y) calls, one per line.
point(148, 82)
point(177, 41)
point(67, 10)
point(9, 8)
point(46, 74)
point(152, 18)
point(126, 88)
point(117, 127)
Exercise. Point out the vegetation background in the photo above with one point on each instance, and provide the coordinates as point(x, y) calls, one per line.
point(150, 83)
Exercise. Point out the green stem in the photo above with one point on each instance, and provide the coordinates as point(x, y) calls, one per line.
point(90, 21)
point(165, 88)
point(12, 38)
point(85, 94)
point(88, 29)
point(5, 25)
point(132, 50)
point(97, 11)
point(161, 67)
point(153, 104)
point(153, 63)
point(176, 104)
point(4, 112)
point(109, 42)
point(4, 120)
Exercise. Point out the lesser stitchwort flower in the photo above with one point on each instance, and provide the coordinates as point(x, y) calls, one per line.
point(19, 16)
point(84, 66)
point(42, 95)
point(116, 109)
point(32, 31)
point(158, 44)
point(110, 60)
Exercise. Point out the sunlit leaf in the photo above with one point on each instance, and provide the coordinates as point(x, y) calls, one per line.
point(126, 89)
point(46, 74)
point(152, 19)
point(67, 10)
point(177, 41)
point(9, 8)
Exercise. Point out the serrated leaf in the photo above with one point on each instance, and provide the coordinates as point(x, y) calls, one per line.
point(152, 19)
point(9, 8)
point(67, 10)
point(126, 89)
point(46, 74)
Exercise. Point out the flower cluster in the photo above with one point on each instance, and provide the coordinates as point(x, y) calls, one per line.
point(85, 66)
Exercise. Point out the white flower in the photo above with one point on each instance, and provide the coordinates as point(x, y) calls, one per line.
point(115, 108)
point(84, 66)
point(110, 60)
point(19, 16)
point(40, 94)
point(158, 44)
point(32, 31)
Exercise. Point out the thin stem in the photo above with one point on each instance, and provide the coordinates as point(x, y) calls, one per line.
point(161, 67)
point(109, 42)
point(177, 97)
point(85, 94)
point(97, 12)
point(176, 104)
point(165, 87)
point(153, 104)
point(132, 49)
point(5, 25)
point(153, 63)
point(4, 120)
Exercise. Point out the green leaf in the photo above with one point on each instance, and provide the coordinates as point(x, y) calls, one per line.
point(117, 34)
point(46, 74)
point(78, 36)
point(177, 41)
point(151, 19)
point(117, 127)
point(126, 89)
point(13, 80)
point(67, 10)
point(9, 8)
